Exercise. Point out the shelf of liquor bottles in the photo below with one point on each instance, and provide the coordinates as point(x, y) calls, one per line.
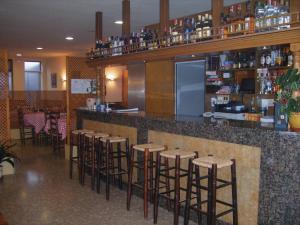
point(248, 71)
point(268, 17)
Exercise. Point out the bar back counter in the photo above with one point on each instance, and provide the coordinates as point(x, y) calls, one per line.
point(268, 176)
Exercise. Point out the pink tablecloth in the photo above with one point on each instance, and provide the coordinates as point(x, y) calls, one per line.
point(36, 119)
point(62, 127)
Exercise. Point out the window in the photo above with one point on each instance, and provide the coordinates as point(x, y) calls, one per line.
point(32, 76)
point(10, 75)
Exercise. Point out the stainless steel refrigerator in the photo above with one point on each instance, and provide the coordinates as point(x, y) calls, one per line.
point(190, 88)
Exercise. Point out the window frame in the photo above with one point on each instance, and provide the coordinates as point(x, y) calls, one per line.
point(31, 71)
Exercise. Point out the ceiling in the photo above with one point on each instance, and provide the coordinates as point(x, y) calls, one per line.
point(27, 24)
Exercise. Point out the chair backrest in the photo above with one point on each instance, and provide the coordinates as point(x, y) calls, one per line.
point(53, 117)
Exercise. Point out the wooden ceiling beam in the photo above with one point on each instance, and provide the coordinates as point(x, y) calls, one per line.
point(164, 12)
point(217, 9)
point(126, 18)
point(98, 26)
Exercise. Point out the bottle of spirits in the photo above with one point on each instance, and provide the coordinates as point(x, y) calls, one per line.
point(174, 33)
point(260, 16)
point(199, 27)
point(290, 58)
point(262, 60)
point(249, 20)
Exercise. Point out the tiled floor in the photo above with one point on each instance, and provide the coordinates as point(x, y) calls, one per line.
point(41, 193)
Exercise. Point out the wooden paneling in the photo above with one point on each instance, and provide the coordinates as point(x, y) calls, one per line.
point(164, 11)
point(4, 102)
point(126, 18)
point(160, 87)
point(77, 68)
point(232, 43)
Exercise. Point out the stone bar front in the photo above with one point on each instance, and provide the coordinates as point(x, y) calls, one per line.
point(267, 170)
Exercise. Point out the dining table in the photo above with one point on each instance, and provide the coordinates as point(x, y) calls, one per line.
point(39, 122)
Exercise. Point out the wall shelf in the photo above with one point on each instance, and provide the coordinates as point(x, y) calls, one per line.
point(288, 36)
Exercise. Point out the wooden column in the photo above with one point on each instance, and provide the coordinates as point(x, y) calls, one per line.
point(4, 101)
point(126, 18)
point(295, 48)
point(295, 8)
point(217, 8)
point(164, 10)
point(98, 26)
point(101, 83)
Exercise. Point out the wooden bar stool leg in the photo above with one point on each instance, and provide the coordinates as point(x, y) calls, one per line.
point(146, 158)
point(198, 193)
point(167, 176)
point(156, 191)
point(151, 176)
point(209, 197)
point(97, 152)
point(234, 193)
point(107, 168)
point(177, 190)
point(93, 164)
point(130, 173)
point(119, 166)
point(188, 193)
point(214, 194)
point(71, 159)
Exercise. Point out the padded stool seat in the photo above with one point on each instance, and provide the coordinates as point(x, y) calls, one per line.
point(96, 135)
point(171, 154)
point(150, 147)
point(208, 162)
point(82, 131)
point(113, 139)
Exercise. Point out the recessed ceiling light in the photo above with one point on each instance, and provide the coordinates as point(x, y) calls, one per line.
point(39, 48)
point(120, 22)
point(69, 38)
point(19, 54)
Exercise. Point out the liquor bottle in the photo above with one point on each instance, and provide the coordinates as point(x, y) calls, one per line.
point(249, 19)
point(180, 32)
point(239, 19)
point(260, 16)
point(199, 27)
point(193, 30)
point(268, 59)
point(223, 29)
point(269, 16)
point(279, 58)
point(290, 58)
point(187, 30)
point(142, 40)
point(174, 33)
point(207, 26)
point(262, 60)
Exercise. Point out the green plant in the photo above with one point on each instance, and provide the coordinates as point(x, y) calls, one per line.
point(5, 154)
point(286, 95)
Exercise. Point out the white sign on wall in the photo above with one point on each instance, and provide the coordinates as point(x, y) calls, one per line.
point(83, 86)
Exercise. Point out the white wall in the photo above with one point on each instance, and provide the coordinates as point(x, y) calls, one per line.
point(114, 87)
point(49, 65)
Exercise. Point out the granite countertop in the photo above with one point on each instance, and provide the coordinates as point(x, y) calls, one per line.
point(201, 121)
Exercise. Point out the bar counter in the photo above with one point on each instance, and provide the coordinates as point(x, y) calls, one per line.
point(267, 160)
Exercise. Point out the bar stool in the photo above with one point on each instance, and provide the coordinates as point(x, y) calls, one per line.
point(89, 153)
point(212, 164)
point(106, 161)
point(74, 142)
point(179, 172)
point(148, 150)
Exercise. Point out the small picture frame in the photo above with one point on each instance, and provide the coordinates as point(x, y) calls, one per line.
point(53, 80)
